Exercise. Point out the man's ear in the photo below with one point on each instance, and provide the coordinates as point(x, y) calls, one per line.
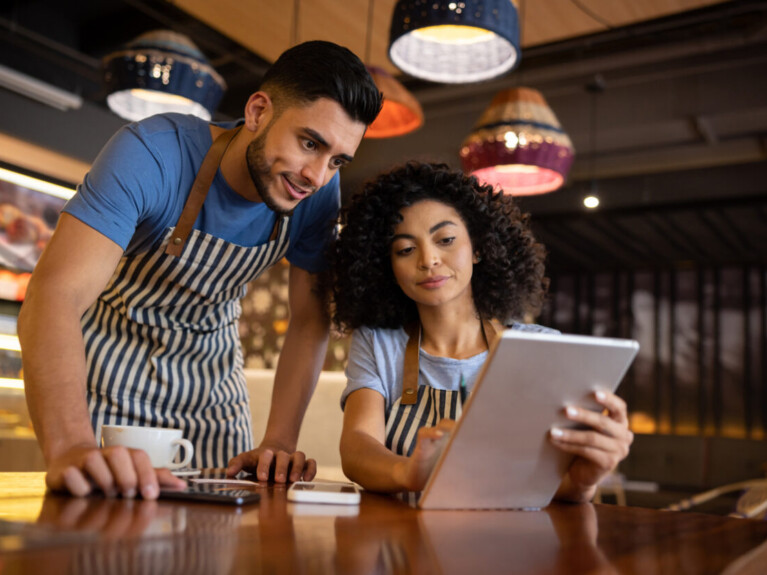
point(258, 111)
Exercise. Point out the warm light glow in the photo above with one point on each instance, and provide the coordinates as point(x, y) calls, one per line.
point(11, 383)
point(36, 184)
point(511, 140)
point(9, 342)
point(521, 179)
point(161, 97)
point(591, 202)
point(454, 34)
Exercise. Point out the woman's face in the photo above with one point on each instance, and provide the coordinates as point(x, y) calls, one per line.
point(432, 256)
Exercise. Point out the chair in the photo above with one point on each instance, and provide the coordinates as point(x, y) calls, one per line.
point(752, 504)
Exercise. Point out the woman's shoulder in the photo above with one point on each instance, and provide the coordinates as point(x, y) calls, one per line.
point(381, 336)
point(531, 327)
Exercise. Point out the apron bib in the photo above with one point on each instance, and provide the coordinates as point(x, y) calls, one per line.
point(162, 342)
point(422, 405)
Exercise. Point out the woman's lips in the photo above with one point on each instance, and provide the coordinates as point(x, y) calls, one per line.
point(433, 282)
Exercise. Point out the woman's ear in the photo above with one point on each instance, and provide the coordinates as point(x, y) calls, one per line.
point(258, 111)
point(477, 258)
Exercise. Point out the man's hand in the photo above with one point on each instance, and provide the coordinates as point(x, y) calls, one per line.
point(113, 470)
point(598, 450)
point(266, 458)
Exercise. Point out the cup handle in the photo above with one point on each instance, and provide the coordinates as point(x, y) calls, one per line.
point(188, 453)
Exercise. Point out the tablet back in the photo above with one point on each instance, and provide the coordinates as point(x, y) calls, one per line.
point(499, 455)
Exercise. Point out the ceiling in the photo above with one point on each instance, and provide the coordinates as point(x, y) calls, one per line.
point(665, 101)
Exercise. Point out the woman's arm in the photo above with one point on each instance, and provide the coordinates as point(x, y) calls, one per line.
point(366, 459)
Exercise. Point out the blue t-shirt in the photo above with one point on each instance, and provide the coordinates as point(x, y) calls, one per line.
point(377, 356)
point(140, 181)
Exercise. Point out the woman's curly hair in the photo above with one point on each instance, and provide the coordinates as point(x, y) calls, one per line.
point(507, 282)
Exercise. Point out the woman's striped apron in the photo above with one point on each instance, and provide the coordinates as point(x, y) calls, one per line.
point(162, 343)
point(422, 405)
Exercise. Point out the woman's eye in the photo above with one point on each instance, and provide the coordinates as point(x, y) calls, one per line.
point(404, 251)
point(447, 241)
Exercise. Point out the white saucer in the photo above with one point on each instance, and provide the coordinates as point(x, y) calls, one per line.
point(186, 472)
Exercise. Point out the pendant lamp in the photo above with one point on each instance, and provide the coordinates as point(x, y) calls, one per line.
point(519, 145)
point(455, 41)
point(161, 71)
point(401, 113)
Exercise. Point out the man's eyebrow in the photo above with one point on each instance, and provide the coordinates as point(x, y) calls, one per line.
point(322, 142)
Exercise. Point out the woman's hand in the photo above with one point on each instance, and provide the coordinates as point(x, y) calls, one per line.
point(413, 473)
point(598, 450)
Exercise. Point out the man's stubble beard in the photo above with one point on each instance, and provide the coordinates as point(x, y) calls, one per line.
point(258, 167)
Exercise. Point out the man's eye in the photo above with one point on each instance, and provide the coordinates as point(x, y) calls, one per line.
point(310, 144)
point(337, 164)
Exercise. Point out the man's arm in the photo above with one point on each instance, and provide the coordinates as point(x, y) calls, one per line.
point(74, 268)
point(298, 368)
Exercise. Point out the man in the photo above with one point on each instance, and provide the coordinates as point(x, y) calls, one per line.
point(131, 314)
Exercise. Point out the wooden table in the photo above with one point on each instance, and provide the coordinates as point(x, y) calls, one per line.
point(51, 534)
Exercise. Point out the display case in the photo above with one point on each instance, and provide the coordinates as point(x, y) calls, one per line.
point(29, 209)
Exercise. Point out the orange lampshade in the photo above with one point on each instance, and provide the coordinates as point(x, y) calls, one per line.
point(401, 112)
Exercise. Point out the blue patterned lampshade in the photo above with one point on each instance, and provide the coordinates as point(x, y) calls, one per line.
point(455, 41)
point(161, 71)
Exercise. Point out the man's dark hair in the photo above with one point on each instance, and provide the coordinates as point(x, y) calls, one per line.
point(319, 69)
point(506, 284)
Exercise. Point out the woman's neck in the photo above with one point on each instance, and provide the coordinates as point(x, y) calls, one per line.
point(455, 333)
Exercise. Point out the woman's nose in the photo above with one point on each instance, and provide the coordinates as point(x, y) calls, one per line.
point(428, 259)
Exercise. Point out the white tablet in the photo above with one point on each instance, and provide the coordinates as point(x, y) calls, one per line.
point(499, 455)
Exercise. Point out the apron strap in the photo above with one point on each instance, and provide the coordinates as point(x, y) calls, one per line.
point(410, 373)
point(491, 330)
point(199, 191)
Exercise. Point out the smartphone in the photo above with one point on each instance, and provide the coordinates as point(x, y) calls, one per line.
point(317, 492)
point(212, 493)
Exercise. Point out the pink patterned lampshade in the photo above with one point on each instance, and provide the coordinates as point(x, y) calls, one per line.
point(519, 145)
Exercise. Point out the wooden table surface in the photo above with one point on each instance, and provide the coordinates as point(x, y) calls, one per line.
point(42, 533)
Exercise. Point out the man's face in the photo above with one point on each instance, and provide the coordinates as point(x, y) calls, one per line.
point(300, 150)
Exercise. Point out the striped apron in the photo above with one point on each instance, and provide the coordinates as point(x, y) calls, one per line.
point(162, 343)
point(422, 405)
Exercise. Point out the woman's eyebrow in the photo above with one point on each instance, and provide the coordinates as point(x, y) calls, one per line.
point(432, 229)
point(440, 225)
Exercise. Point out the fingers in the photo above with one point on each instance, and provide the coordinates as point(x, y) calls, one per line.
point(615, 406)
point(69, 479)
point(236, 464)
point(297, 462)
point(121, 470)
point(310, 470)
point(114, 470)
point(265, 459)
point(281, 463)
point(604, 424)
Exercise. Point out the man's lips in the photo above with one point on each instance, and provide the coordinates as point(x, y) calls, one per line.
point(296, 192)
point(433, 282)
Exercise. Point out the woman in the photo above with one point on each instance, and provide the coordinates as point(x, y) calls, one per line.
point(429, 255)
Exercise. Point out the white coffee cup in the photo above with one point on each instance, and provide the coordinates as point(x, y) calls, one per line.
point(160, 444)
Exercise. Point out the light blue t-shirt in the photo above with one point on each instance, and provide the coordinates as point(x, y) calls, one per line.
point(376, 361)
point(140, 181)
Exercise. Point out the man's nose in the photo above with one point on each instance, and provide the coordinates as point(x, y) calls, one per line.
point(315, 172)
